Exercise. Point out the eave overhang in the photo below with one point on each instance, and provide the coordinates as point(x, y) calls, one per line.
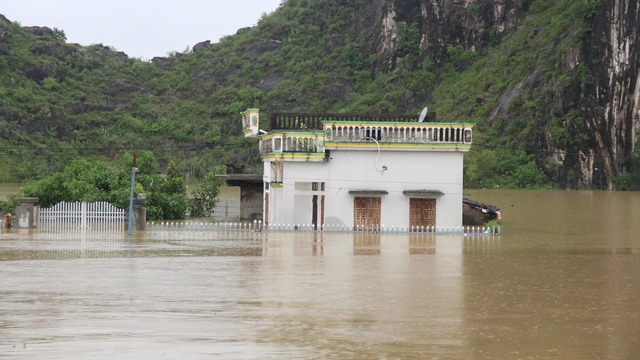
point(368, 192)
point(423, 192)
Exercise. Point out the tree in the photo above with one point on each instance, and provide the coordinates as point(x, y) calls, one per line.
point(206, 198)
point(166, 196)
point(96, 181)
point(174, 182)
point(9, 206)
point(59, 35)
point(80, 181)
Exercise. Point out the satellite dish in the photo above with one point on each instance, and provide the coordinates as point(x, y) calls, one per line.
point(423, 114)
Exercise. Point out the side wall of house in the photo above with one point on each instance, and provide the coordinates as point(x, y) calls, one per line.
point(358, 170)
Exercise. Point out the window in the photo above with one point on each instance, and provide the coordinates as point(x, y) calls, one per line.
point(303, 186)
point(309, 186)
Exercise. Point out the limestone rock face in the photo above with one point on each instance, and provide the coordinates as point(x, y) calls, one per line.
point(201, 46)
point(609, 105)
point(254, 50)
point(39, 30)
point(56, 50)
point(465, 22)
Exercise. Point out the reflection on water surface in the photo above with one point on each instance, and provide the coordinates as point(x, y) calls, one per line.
point(562, 282)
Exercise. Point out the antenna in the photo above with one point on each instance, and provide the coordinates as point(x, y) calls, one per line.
point(423, 114)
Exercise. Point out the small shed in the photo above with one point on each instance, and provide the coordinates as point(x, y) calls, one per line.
point(250, 194)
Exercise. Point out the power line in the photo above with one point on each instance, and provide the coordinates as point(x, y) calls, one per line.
point(103, 148)
point(556, 152)
point(239, 144)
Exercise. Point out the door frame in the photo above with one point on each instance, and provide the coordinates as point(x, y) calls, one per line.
point(368, 214)
point(426, 215)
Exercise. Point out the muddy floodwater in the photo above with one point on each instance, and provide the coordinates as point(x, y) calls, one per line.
point(562, 282)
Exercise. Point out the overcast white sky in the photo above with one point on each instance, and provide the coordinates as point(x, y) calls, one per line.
point(140, 28)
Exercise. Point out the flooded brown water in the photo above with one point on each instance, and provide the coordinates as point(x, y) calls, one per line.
point(562, 282)
point(9, 188)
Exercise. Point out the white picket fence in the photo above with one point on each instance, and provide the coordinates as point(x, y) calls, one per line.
point(81, 215)
point(257, 226)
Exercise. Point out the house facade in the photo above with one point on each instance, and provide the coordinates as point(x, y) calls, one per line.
point(361, 171)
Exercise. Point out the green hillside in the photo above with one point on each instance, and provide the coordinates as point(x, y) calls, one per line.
point(521, 78)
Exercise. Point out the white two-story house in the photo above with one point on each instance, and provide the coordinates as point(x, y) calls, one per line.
point(361, 171)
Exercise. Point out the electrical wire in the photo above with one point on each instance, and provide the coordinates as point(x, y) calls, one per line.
point(551, 152)
point(383, 168)
point(239, 144)
point(150, 147)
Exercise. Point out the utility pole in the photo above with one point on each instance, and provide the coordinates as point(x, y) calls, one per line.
point(133, 181)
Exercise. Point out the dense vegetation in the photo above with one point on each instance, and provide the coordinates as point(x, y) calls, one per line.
point(61, 102)
point(92, 181)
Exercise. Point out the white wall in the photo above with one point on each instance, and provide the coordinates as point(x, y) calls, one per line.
point(356, 170)
point(303, 209)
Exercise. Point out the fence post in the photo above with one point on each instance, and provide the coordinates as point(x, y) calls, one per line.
point(139, 214)
point(83, 215)
point(25, 217)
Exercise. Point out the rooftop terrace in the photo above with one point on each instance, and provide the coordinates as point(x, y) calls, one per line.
point(313, 121)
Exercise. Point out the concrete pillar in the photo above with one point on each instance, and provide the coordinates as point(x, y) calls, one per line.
point(139, 215)
point(25, 216)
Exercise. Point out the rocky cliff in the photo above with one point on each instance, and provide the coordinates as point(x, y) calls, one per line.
point(591, 91)
point(610, 103)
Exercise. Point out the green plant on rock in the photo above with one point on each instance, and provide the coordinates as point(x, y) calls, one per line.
point(630, 180)
point(59, 35)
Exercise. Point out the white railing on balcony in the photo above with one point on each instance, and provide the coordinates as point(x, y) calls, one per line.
point(292, 143)
point(427, 133)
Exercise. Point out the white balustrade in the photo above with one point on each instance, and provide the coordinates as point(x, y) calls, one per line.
point(427, 133)
point(292, 143)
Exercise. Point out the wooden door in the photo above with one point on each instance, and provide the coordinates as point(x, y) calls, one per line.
point(266, 209)
point(366, 212)
point(322, 211)
point(314, 212)
point(422, 212)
